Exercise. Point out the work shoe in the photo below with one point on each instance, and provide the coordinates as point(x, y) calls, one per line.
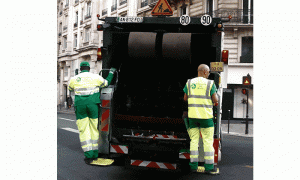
point(214, 171)
point(201, 169)
point(89, 160)
point(102, 162)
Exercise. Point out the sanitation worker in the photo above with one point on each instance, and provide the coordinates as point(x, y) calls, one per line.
point(201, 96)
point(87, 97)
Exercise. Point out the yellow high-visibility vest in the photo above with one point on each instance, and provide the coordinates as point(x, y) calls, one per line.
point(200, 105)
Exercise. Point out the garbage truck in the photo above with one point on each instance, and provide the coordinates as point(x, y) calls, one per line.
point(141, 113)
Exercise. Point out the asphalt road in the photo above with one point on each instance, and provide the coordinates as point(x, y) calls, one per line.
point(237, 159)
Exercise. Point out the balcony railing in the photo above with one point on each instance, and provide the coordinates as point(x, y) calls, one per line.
point(65, 28)
point(238, 15)
point(113, 7)
point(123, 2)
point(86, 43)
point(152, 1)
point(87, 16)
point(104, 11)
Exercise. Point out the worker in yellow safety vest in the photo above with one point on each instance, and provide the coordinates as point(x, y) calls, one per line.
point(201, 96)
point(87, 97)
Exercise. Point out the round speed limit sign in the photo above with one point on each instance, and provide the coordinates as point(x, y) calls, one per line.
point(185, 20)
point(206, 20)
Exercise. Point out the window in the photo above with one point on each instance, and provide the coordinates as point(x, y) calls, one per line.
point(247, 11)
point(66, 22)
point(65, 43)
point(66, 72)
point(183, 10)
point(87, 35)
point(144, 3)
point(209, 7)
point(114, 5)
point(104, 8)
point(75, 40)
point(76, 16)
point(122, 2)
point(60, 27)
point(247, 50)
point(89, 7)
point(82, 12)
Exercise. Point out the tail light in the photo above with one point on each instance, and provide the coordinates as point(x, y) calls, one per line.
point(225, 56)
point(99, 54)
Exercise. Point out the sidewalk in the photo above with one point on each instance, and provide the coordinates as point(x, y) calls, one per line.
point(236, 127)
point(66, 110)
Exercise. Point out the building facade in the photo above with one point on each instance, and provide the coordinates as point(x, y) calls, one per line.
point(79, 40)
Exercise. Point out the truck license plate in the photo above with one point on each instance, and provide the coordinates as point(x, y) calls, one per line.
point(216, 67)
point(130, 19)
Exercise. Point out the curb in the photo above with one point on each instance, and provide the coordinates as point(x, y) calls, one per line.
point(66, 112)
point(237, 134)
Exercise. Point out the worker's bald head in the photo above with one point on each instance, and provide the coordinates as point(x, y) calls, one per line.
point(203, 67)
point(203, 70)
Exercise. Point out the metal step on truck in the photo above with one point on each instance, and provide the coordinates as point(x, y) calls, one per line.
point(141, 111)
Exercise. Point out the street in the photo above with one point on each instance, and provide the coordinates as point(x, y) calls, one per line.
point(236, 163)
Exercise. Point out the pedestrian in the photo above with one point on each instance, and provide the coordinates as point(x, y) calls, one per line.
point(69, 102)
point(87, 98)
point(200, 93)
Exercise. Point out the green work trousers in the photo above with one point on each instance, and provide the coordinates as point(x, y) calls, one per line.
point(206, 127)
point(87, 123)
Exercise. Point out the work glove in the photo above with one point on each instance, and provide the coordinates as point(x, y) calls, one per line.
point(112, 70)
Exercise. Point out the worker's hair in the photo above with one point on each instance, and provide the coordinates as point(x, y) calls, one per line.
point(84, 68)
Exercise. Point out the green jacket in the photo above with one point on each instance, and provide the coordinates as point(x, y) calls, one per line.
point(87, 85)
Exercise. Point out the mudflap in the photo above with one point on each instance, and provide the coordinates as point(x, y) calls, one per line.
point(217, 157)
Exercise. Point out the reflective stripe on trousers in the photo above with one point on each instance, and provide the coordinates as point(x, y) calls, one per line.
point(207, 137)
point(88, 133)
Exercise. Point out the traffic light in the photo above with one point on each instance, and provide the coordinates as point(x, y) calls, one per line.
point(247, 80)
point(244, 91)
point(76, 72)
point(99, 27)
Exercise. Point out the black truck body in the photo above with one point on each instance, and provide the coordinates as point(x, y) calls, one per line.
point(141, 112)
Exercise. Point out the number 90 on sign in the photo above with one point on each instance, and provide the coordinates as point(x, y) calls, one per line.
point(206, 20)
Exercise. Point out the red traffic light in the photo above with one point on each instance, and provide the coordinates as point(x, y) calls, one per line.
point(99, 27)
point(244, 91)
